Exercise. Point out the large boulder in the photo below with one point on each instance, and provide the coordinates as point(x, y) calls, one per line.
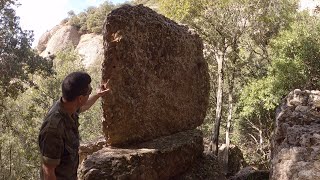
point(206, 167)
point(235, 159)
point(62, 38)
point(250, 173)
point(43, 41)
point(89, 148)
point(159, 159)
point(90, 48)
point(296, 141)
point(158, 77)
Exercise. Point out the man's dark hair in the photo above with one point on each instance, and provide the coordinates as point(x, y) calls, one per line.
point(75, 84)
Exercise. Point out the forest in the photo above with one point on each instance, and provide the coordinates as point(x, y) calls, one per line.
point(257, 52)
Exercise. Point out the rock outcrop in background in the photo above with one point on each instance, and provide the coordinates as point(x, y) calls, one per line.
point(235, 159)
point(296, 141)
point(60, 37)
point(159, 94)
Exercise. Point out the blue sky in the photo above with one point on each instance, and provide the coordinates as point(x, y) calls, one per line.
point(42, 15)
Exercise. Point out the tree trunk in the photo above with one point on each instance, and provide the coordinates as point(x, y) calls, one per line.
point(215, 137)
point(261, 137)
point(10, 160)
point(1, 167)
point(230, 109)
point(260, 133)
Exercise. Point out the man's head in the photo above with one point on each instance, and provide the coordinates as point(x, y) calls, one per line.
point(76, 84)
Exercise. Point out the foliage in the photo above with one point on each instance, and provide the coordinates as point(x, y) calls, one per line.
point(269, 50)
point(23, 117)
point(18, 66)
point(294, 65)
point(91, 21)
point(182, 10)
point(295, 54)
point(153, 4)
point(17, 60)
point(238, 33)
point(90, 121)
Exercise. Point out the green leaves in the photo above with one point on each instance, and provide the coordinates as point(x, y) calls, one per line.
point(299, 47)
point(17, 60)
point(180, 10)
point(91, 21)
point(21, 118)
point(295, 64)
point(240, 33)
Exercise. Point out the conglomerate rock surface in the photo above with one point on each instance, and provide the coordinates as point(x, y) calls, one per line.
point(158, 77)
point(161, 158)
point(206, 167)
point(89, 148)
point(235, 159)
point(296, 141)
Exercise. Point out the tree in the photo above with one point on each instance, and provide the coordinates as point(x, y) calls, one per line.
point(19, 156)
point(17, 60)
point(219, 24)
point(18, 65)
point(91, 21)
point(21, 120)
point(294, 64)
point(236, 35)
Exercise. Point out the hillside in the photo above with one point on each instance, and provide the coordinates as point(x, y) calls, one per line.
point(81, 32)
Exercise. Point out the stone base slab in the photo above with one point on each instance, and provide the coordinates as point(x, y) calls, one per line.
point(162, 158)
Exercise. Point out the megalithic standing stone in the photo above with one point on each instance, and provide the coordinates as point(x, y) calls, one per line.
point(159, 79)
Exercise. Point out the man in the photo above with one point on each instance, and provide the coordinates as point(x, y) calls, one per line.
point(59, 134)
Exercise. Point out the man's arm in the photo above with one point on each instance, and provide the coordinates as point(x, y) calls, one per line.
point(49, 172)
point(92, 99)
point(51, 147)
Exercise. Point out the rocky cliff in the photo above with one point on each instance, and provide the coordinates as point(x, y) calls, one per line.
point(296, 141)
point(88, 46)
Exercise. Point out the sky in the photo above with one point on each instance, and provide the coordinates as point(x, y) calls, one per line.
point(309, 4)
point(42, 15)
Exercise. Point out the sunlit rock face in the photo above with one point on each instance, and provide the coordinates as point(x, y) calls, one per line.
point(60, 39)
point(158, 159)
point(296, 141)
point(158, 77)
point(90, 49)
point(43, 41)
point(65, 37)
